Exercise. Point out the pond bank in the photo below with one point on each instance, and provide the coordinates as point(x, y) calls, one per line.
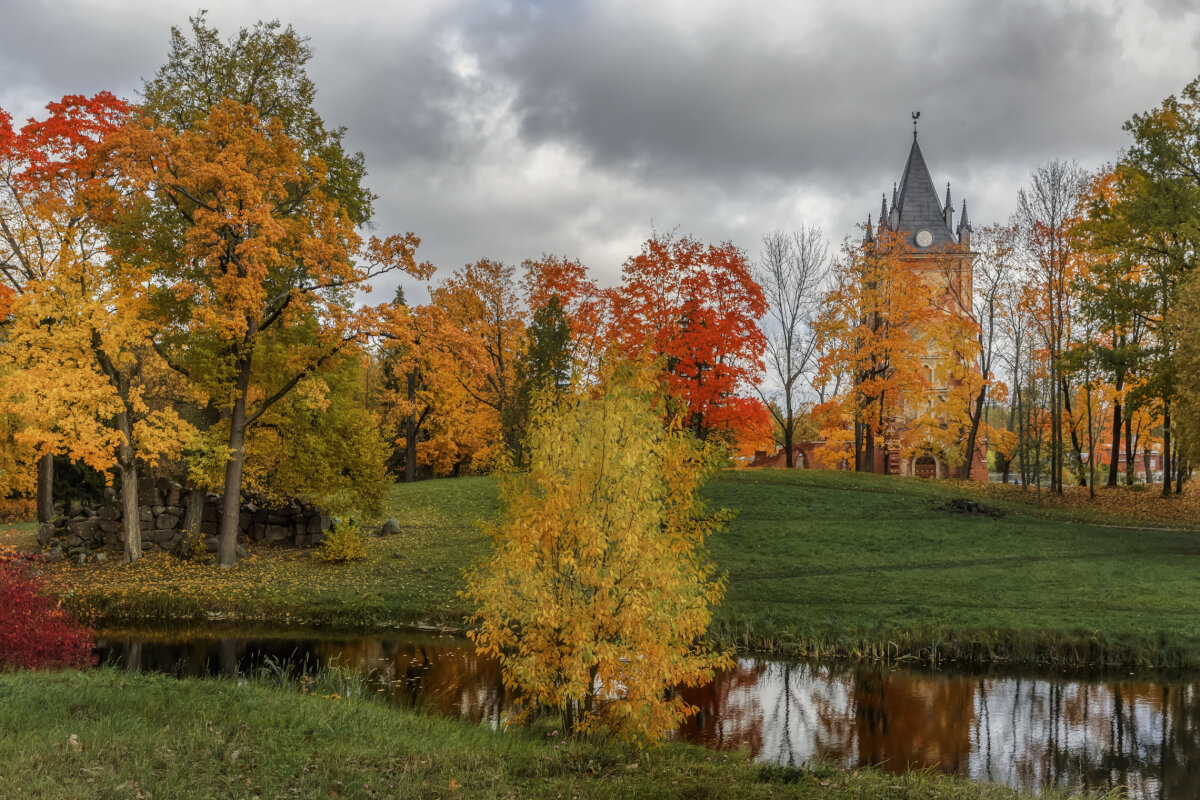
point(819, 564)
point(110, 733)
point(1023, 728)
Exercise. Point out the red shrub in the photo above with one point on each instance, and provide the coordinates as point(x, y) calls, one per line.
point(35, 632)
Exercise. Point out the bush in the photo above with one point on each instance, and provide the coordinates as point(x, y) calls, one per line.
point(35, 632)
point(346, 542)
point(19, 509)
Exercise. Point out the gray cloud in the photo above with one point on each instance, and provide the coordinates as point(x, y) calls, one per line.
point(505, 129)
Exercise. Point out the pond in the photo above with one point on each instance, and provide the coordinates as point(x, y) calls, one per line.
point(1024, 729)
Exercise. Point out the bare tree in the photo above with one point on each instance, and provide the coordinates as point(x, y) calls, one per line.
point(1045, 212)
point(983, 300)
point(792, 270)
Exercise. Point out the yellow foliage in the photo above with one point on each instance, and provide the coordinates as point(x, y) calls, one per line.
point(346, 542)
point(599, 589)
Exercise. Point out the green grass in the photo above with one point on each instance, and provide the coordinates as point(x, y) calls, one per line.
point(824, 563)
point(819, 563)
point(113, 734)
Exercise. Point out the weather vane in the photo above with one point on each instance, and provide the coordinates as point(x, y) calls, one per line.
point(916, 115)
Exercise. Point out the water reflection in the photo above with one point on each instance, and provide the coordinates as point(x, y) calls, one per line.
point(1027, 731)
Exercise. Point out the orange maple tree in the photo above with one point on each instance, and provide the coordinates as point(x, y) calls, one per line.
point(249, 248)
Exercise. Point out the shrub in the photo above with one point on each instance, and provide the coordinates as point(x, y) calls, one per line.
point(35, 632)
point(17, 509)
point(599, 590)
point(346, 542)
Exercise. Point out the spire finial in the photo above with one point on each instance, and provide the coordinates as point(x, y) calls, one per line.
point(916, 115)
point(947, 194)
point(883, 209)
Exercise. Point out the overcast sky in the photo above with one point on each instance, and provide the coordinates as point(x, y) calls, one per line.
point(509, 129)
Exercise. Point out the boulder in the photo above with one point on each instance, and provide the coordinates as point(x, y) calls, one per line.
point(102, 557)
point(210, 544)
point(174, 494)
point(45, 534)
point(166, 521)
point(390, 528)
point(146, 516)
point(54, 553)
point(276, 533)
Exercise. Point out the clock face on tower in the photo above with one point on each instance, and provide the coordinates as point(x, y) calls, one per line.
point(924, 238)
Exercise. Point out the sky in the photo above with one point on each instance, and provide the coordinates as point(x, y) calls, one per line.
point(506, 130)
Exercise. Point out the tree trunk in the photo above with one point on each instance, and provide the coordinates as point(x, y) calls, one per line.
point(231, 501)
point(788, 434)
point(1166, 456)
point(131, 518)
point(45, 488)
point(1130, 453)
point(973, 435)
point(193, 513)
point(1115, 455)
point(868, 450)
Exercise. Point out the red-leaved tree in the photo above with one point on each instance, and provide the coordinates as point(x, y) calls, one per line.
point(697, 306)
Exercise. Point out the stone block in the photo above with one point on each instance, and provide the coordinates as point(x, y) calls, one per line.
point(301, 540)
point(210, 544)
point(299, 529)
point(74, 541)
point(390, 528)
point(109, 526)
point(276, 533)
point(146, 516)
point(45, 533)
point(244, 521)
point(110, 513)
point(177, 510)
point(174, 494)
point(258, 531)
point(162, 535)
point(313, 525)
point(278, 519)
point(166, 521)
point(84, 528)
point(260, 515)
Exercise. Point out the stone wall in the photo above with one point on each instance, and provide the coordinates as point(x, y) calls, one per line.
point(162, 507)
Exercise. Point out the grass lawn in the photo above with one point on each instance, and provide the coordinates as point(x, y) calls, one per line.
point(821, 563)
point(107, 733)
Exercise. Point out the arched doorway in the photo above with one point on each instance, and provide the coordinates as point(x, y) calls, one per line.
point(925, 467)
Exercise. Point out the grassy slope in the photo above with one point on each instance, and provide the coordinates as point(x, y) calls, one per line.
point(818, 562)
point(828, 562)
point(217, 739)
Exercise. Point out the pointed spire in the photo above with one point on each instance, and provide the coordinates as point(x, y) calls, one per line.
point(883, 212)
point(964, 227)
point(948, 209)
point(948, 203)
point(894, 216)
point(868, 238)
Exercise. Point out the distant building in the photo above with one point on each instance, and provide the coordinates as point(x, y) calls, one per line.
point(942, 257)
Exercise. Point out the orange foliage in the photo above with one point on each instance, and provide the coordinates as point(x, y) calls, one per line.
point(697, 307)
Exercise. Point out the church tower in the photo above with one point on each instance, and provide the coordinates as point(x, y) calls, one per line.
point(941, 256)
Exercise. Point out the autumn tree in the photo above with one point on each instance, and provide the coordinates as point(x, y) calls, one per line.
point(247, 247)
point(697, 306)
point(878, 323)
point(1148, 218)
point(42, 166)
point(80, 344)
point(481, 300)
point(598, 591)
point(792, 270)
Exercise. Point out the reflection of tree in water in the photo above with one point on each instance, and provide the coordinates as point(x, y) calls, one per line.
point(729, 712)
point(901, 720)
point(1142, 736)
